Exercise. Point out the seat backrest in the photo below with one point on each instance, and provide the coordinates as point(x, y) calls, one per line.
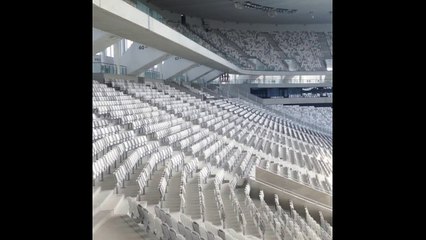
point(188, 233)
point(170, 221)
point(202, 231)
point(158, 228)
point(221, 234)
point(185, 220)
point(132, 208)
point(196, 227)
point(163, 215)
point(141, 213)
point(166, 231)
point(210, 236)
point(181, 228)
point(157, 211)
point(195, 236)
point(148, 219)
point(173, 234)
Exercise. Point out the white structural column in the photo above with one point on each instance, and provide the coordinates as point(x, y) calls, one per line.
point(117, 49)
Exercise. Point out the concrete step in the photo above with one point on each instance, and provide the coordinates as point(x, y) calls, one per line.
point(112, 203)
point(100, 199)
point(232, 223)
point(173, 192)
point(191, 193)
point(122, 227)
point(100, 218)
point(216, 223)
point(122, 208)
point(193, 210)
point(174, 205)
point(171, 195)
point(96, 191)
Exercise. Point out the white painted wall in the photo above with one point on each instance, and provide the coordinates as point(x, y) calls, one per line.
point(196, 72)
point(174, 65)
point(211, 75)
point(135, 58)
